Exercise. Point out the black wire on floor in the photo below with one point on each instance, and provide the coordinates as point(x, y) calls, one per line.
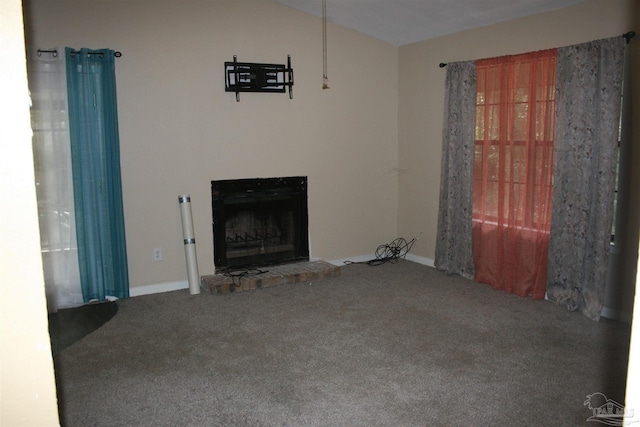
point(241, 272)
point(390, 252)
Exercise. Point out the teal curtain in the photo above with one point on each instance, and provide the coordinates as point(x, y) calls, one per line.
point(97, 184)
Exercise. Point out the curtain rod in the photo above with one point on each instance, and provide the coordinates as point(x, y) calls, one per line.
point(627, 36)
point(54, 52)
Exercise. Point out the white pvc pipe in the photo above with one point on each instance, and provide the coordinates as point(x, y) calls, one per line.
point(189, 244)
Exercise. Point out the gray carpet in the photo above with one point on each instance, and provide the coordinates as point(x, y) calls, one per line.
point(394, 345)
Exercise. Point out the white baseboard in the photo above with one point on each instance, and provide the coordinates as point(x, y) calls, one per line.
point(364, 258)
point(158, 288)
point(421, 260)
point(360, 258)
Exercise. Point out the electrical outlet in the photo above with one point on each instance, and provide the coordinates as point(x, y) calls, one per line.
point(157, 254)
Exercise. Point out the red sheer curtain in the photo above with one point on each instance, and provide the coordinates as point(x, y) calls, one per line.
point(513, 170)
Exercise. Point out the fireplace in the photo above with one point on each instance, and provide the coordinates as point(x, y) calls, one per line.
point(259, 222)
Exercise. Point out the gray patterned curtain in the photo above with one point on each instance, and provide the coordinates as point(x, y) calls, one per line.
point(588, 93)
point(453, 246)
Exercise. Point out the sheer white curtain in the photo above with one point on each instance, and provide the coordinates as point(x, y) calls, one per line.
point(54, 187)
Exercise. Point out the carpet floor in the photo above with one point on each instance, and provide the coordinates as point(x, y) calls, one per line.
point(394, 345)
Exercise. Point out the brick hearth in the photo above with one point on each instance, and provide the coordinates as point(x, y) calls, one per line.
point(274, 276)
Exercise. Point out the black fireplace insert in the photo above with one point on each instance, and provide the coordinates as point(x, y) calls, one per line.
point(259, 222)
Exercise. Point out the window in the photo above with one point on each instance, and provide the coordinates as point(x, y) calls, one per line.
point(513, 161)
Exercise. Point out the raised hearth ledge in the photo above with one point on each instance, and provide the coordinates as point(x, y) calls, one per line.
point(303, 271)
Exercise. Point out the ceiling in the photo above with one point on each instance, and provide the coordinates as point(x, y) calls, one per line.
point(401, 22)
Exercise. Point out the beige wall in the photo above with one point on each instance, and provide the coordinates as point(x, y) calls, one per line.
point(27, 383)
point(370, 145)
point(421, 89)
point(179, 129)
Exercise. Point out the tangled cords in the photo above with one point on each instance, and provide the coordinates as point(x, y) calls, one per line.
point(391, 252)
point(240, 272)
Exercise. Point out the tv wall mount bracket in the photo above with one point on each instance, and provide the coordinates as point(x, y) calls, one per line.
point(253, 77)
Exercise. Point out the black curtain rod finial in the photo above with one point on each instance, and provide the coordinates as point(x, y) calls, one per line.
point(629, 35)
point(52, 52)
point(442, 64)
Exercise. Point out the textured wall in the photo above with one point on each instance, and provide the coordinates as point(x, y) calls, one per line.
point(179, 129)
